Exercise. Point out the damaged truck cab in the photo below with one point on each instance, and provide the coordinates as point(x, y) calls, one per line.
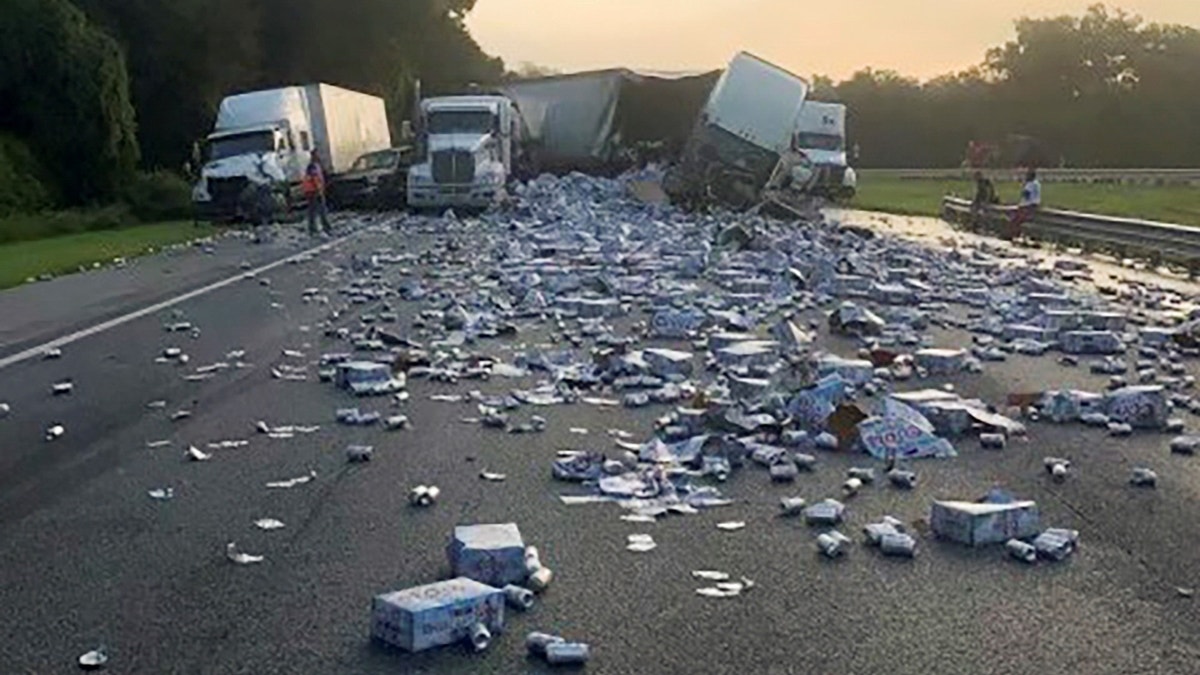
point(467, 146)
point(262, 142)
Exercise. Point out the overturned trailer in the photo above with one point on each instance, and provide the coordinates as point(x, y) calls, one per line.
point(742, 143)
point(605, 121)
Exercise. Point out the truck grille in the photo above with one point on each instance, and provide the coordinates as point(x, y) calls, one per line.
point(453, 166)
point(830, 174)
point(226, 190)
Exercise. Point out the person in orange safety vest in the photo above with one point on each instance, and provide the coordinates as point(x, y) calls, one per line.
point(313, 185)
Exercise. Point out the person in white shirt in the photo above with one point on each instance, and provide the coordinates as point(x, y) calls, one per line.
point(1031, 194)
point(1031, 200)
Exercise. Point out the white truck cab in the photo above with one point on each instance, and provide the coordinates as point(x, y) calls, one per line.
point(467, 146)
point(821, 135)
point(260, 138)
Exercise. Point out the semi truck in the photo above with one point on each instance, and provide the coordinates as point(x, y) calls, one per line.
point(262, 142)
point(466, 149)
point(821, 136)
point(601, 122)
point(742, 142)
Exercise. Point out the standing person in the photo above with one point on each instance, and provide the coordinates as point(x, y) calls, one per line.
point(985, 197)
point(1031, 200)
point(314, 194)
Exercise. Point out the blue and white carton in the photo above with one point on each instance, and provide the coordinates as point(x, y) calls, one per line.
point(437, 614)
point(489, 554)
point(980, 524)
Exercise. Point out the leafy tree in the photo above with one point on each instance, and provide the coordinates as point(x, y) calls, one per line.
point(185, 55)
point(66, 92)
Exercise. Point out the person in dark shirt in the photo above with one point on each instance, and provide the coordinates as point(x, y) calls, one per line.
point(985, 196)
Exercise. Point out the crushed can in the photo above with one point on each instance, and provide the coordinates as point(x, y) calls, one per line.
point(480, 637)
point(537, 642)
point(533, 559)
point(825, 512)
point(993, 441)
point(900, 478)
point(540, 580)
point(784, 472)
point(358, 454)
point(1021, 551)
point(794, 438)
point(832, 544)
point(826, 441)
point(1185, 445)
point(851, 486)
point(866, 475)
point(1057, 467)
point(790, 507)
point(875, 532)
point(1056, 544)
point(898, 544)
point(567, 653)
point(1143, 477)
point(1120, 429)
point(518, 598)
point(804, 461)
point(424, 495)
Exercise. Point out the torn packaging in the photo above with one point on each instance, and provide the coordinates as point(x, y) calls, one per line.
point(902, 433)
point(811, 407)
point(844, 423)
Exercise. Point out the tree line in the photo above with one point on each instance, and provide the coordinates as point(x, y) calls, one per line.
point(101, 87)
point(96, 89)
point(1105, 89)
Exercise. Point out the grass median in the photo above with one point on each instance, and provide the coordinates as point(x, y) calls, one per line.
point(923, 197)
point(56, 255)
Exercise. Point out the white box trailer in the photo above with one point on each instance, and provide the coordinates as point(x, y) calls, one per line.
point(346, 125)
point(266, 139)
point(758, 102)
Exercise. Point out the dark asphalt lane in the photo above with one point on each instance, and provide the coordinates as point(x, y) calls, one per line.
point(87, 558)
point(34, 313)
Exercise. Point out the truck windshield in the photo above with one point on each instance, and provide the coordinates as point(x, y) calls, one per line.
point(242, 144)
point(461, 122)
point(375, 161)
point(831, 142)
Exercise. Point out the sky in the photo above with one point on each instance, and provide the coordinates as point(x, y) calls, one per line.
point(920, 38)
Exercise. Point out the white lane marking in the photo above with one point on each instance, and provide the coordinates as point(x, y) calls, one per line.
point(158, 307)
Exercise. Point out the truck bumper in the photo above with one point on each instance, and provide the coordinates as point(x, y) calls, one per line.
point(469, 196)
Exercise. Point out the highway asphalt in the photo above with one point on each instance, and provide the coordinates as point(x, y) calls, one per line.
point(87, 558)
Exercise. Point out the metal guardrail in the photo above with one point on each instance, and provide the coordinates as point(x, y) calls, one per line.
point(1126, 237)
point(1123, 176)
